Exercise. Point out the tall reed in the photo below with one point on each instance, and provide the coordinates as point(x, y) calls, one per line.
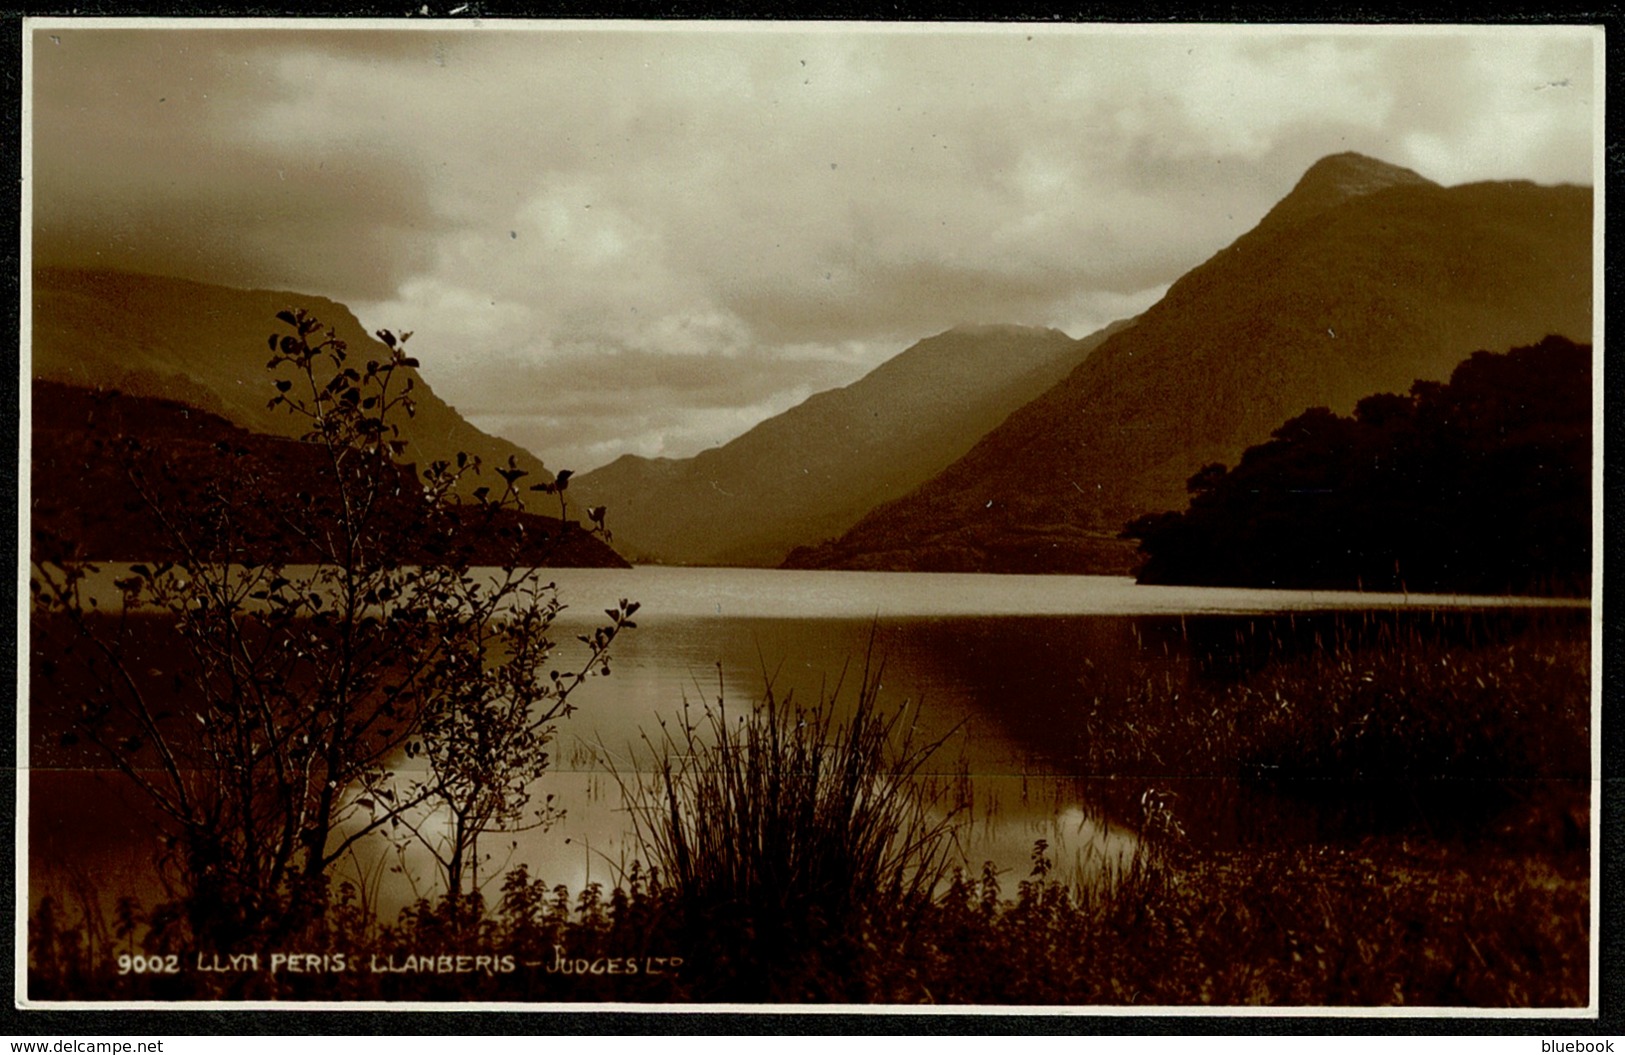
point(796, 839)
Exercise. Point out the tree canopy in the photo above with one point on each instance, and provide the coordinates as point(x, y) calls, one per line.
point(1478, 485)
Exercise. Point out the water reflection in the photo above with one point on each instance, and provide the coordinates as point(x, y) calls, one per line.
point(1010, 674)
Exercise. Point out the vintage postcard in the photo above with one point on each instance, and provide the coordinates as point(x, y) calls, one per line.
point(718, 515)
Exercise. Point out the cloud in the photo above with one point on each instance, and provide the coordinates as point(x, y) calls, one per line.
point(589, 407)
point(1516, 108)
point(649, 202)
point(148, 155)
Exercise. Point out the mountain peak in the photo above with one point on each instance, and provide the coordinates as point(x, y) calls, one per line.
point(1337, 178)
point(997, 329)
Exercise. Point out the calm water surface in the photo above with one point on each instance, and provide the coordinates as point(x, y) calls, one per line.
point(998, 666)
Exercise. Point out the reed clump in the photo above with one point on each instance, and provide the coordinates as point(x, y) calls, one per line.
point(1468, 698)
point(796, 841)
point(1384, 922)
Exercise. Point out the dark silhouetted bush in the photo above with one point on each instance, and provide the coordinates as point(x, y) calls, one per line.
point(1481, 485)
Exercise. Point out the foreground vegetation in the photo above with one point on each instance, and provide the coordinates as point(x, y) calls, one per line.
point(1382, 923)
point(789, 865)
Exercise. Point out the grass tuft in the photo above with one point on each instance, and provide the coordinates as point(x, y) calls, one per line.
point(794, 843)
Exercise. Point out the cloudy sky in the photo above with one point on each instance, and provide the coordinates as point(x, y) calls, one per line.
point(614, 239)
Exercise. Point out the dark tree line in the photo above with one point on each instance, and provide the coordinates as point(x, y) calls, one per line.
point(1478, 485)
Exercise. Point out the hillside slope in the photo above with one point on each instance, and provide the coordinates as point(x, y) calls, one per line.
point(117, 477)
point(205, 345)
point(1362, 280)
point(812, 471)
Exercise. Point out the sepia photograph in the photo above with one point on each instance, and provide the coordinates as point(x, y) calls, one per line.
point(991, 517)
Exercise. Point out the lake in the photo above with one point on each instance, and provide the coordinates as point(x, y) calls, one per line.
point(1014, 673)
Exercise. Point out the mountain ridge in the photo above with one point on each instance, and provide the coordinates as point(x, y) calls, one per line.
point(1338, 178)
point(815, 469)
point(1361, 294)
point(204, 344)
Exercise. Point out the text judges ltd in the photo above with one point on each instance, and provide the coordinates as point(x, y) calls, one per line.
point(432, 963)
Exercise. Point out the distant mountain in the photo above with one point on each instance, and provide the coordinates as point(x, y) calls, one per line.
point(108, 469)
point(1361, 280)
point(205, 345)
point(812, 471)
